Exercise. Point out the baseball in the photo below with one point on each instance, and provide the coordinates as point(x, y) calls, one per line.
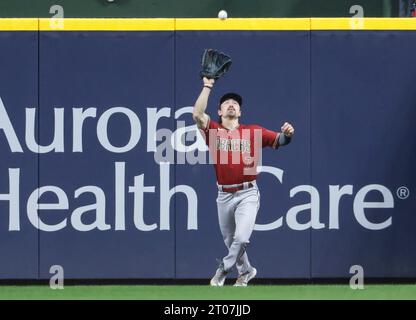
point(222, 14)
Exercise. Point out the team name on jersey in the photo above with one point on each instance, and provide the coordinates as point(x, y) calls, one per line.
point(240, 145)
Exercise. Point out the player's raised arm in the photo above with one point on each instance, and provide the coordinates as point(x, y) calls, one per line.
point(287, 133)
point(277, 139)
point(199, 115)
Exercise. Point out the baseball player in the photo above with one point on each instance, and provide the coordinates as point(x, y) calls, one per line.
point(233, 148)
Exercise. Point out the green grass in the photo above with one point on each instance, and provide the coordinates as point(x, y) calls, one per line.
point(192, 292)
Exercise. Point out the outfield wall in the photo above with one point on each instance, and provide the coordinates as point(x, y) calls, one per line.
point(82, 109)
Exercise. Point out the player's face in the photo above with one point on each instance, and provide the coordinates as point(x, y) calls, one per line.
point(230, 109)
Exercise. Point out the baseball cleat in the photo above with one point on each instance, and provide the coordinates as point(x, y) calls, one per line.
point(243, 279)
point(219, 278)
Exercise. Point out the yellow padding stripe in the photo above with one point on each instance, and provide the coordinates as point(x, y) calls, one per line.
point(363, 24)
point(156, 24)
point(107, 24)
point(17, 24)
point(244, 24)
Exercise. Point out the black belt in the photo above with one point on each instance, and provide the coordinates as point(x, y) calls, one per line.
point(238, 188)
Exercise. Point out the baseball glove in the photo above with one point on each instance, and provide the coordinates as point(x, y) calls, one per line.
point(214, 64)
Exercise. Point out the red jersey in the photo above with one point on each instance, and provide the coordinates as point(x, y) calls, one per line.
point(236, 153)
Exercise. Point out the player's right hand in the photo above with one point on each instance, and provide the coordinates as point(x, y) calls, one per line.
point(208, 81)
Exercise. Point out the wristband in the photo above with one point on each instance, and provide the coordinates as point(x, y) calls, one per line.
point(207, 86)
point(284, 139)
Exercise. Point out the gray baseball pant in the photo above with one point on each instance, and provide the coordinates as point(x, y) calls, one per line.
point(237, 216)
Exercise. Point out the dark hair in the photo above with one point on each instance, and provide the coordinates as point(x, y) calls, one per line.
point(225, 97)
point(232, 95)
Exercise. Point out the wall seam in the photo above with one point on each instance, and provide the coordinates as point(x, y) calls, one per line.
point(310, 138)
point(38, 138)
point(174, 154)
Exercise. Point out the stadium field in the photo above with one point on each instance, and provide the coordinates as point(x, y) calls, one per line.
point(200, 292)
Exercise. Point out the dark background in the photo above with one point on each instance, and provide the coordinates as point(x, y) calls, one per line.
point(203, 8)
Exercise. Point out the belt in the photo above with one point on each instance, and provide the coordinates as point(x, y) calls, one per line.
point(235, 187)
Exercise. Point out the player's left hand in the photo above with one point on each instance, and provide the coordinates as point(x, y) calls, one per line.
point(287, 129)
